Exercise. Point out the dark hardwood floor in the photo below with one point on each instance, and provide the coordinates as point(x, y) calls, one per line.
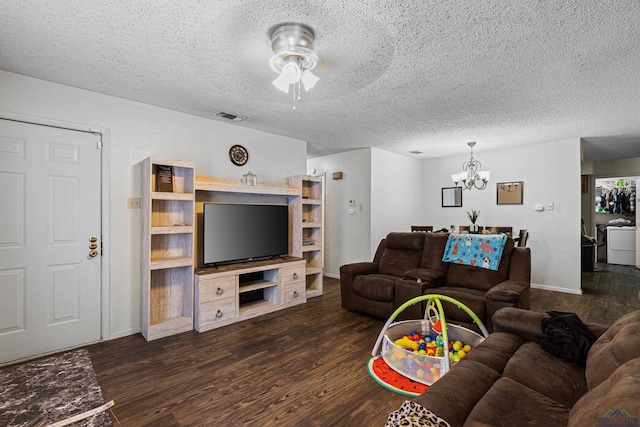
point(607, 294)
point(303, 366)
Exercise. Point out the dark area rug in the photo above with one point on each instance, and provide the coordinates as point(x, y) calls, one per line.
point(49, 390)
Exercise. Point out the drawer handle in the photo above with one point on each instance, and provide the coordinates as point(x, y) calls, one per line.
point(295, 294)
point(295, 275)
point(219, 291)
point(219, 314)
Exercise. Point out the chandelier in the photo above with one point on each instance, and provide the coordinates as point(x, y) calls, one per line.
point(294, 59)
point(471, 176)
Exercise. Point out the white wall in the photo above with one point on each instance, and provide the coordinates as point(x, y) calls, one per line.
point(396, 194)
point(137, 131)
point(551, 174)
point(387, 192)
point(347, 236)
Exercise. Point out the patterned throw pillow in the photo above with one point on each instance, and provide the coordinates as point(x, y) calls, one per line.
point(413, 414)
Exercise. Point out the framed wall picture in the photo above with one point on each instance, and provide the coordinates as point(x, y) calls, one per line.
point(451, 197)
point(509, 193)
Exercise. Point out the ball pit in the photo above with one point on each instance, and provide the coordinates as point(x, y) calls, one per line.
point(411, 348)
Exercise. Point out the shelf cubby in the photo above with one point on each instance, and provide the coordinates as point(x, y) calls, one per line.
point(167, 250)
point(310, 232)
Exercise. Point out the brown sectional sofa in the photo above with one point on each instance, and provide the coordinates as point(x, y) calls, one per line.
point(509, 380)
point(379, 287)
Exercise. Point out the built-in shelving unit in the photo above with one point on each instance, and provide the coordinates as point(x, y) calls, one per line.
point(311, 235)
point(225, 294)
point(167, 248)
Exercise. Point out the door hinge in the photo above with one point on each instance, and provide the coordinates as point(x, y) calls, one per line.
point(99, 144)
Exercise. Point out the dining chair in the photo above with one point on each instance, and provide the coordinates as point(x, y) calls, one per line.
point(506, 230)
point(425, 228)
point(521, 240)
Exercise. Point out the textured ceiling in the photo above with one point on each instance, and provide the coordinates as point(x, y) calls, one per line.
point(396, 75)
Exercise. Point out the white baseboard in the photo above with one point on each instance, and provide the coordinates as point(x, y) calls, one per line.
point(333, 276)
point(556, 289)
point(124, 333)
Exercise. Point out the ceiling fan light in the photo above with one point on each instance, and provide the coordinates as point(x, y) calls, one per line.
point(309, 79)
point(282, 83)
point(291, 72)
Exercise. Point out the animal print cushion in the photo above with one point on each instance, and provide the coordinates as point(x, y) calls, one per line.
point(413, 414)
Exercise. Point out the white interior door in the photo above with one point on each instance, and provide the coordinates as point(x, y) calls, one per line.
point(49, 212)
point(637, 224)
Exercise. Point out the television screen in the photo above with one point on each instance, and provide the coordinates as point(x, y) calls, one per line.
point(235, 232)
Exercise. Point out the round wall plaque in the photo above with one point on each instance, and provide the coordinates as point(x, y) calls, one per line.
point(238, 155)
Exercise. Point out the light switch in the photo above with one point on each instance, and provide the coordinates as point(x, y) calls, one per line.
point(133, 203)
point(550, 206)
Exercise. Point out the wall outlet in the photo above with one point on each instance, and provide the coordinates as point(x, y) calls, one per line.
point(133, 203)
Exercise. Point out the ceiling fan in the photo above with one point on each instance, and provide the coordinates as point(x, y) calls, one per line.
point(293, 59)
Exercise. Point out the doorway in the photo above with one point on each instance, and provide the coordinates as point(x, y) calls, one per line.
point(615, 219)
point(50, 239)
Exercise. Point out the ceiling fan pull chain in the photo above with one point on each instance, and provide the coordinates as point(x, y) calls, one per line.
point(294, 97)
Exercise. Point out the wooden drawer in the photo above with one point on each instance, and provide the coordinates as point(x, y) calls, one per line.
point(293, 272)
point(217, 311)
point(216, 289)
point(294, 293)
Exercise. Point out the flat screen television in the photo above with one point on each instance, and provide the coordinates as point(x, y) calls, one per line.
point(238, 232)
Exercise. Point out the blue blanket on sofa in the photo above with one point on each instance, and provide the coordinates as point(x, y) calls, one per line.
point(476, 250)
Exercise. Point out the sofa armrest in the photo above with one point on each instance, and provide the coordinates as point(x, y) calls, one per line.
point(404, 291)
point(510, 293)
point(347, 273)
point(525, 323)
point(428, 277)
point(416, 283)
point(358, 268)
point(520, 266)
point(528, 324)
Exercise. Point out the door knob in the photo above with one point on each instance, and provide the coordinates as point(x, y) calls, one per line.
point(93, 253)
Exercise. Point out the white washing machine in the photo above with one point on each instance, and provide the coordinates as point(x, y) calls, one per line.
point(621, 245)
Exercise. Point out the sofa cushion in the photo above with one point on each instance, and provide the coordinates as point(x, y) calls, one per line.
point(538, 370)
point(375, 287)
point(509, 403)
point(465, 276)
point(403, 252)
point(619, 344)
point(496, 350)
point(454, 398)
point(472, 298)
point(620, 392)
point(434, 244)
point(405, 241)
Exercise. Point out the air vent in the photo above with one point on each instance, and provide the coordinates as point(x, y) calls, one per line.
point(230, 116)
point(415, 152)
